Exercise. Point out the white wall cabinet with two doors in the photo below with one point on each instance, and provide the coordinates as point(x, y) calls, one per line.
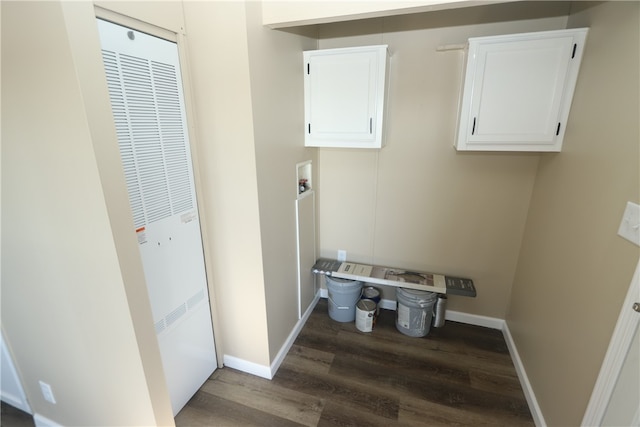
point(518, 90)
point(344, 96)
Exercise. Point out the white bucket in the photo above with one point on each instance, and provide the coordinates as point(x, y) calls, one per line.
point(365, 315)
point(415, 311)
point(343, 296)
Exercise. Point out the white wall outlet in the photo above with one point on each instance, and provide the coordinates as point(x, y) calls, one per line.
point(47, 392)
point(342, 255)
point(630, 224)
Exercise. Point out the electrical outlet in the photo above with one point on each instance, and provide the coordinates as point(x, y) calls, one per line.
point(47, 392)
point(342, 255)
point(630, 224)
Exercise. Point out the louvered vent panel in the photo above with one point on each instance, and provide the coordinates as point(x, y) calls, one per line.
point(195, 299)
point(173, 136)
point(118, 105)
point(146, 105)
point(176, 314)
point(145, 127)
point(159, 325)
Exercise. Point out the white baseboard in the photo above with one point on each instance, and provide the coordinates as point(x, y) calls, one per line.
point(474, 319)
point(269, 371)
point(11, 390)
point(388, 304)
point(12, 399)
point(246, 366)
point(292, 337)
point(536, 413)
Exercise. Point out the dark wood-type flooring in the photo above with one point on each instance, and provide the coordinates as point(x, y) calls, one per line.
point(335, 375)
point(13, 417)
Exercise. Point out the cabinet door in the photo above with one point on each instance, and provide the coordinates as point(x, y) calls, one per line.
point(518, 91)
point(344, 96)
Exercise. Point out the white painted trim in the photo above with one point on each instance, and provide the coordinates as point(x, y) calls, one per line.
point(41, 421)
point(11, 390)
point(388, 304)
point(292, 337)
point(246, 366)
point(615, 356)
point(102, 12)
point(474, 319)
point(268, 372)
point(296, 13)
point(636, 418)
point(536, 412)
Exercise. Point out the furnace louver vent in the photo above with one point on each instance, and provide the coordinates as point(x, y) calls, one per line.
point(159, 325)
point(150, 127)
point(176, 314)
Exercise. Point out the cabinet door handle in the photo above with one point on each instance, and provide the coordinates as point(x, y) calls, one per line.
point(370, 124)
point(473, 128)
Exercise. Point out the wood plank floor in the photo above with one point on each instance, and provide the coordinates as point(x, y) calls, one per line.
point(335, 375)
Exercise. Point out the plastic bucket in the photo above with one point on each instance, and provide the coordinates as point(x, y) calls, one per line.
point(343, 296)
point(415, 311)
point(365, 315)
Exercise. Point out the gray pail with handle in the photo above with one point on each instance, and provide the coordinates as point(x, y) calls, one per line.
point(414, 311)
point(343, 296)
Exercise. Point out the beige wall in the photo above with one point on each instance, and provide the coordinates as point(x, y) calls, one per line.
point(74, 306)
point(417, 203)
point(219, 64)
point(275, 62)
point(574, 271)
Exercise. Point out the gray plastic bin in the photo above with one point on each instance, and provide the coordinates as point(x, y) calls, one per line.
point(343, 296)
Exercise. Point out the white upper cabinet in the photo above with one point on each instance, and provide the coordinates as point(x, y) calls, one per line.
point(518, 90)
point(344, 96)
